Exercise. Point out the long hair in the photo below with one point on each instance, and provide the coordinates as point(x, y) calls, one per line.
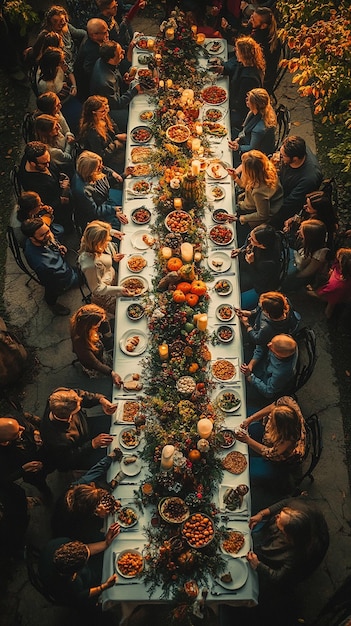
point(88, 119)
point(46, 39)
point(268, 18)
point(87, 165)
point(343, 256)
point(95, 237)
point(314, 235)
point(275, 304)
point(83, 325)
point(83, 499)
point(258, 170)
point(50, 62)
point(43, 126)
point(251, 54)
point(284, 424)
point(322, 204)
point(50, 13)
point(260, 99)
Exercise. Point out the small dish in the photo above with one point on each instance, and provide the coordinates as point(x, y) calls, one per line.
point(217, 170)
point(140, 188)
point(142, 215)
point(127, 517)
point(219, 262)
point(136, 263)
point(228, 438)
point(178, 133)
point(133, 344)
point(225, 333)
point(144, 59)
point(221, 235)
point(132, 383)
point(214, 47)
point(136, 285)
point(213, 115)
point(147, 116)
point(223, 287)
point(131, 465)
point(225, 312)
point(238, 572)
point(138, 240)
point(228, 400)
point(216, 192)
point(129, 563)
point(129, 438)
point(220, 216)
point(141, 134)
point(135, 311)
point(142, 42)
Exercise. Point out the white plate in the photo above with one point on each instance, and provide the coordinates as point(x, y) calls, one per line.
point(122, 524)
point(230, 328)
point(140, 348)
point(223, 506)
point(235, 362)
point(118, 556)
point(239, 570)
point(130, 317)
point(243, 551)
point(138, 256)
point(134, 192)
point(217, 170)
point(224, 320)
point(128, 378)
point(143, 280)
point(137, 240)
point(121, 442)
point(213, 196)
point(131, 470)
point(227, 293)
point(223, 95)
point(218, 44)
point(205, 118)
point(219, 256)
point(226, 391)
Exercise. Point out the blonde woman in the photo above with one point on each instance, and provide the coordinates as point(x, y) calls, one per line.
point(263, 195)
point(96, 257)
point(93, 194)
point(98, 133)
point(259, 126)
point(248, 74)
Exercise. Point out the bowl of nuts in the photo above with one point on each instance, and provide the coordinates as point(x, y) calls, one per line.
point(186, 385)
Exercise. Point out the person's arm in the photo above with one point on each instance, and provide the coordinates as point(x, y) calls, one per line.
point(311, 268)
point(98, 287)
point(87, 357)
point(258, 415)
point(94, 473)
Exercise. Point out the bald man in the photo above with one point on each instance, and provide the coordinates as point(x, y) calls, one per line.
point(97, 34)
point(271, 370)
point(21, 454)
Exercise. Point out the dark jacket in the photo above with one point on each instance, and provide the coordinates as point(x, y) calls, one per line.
point(256, 136)
point(296, 183)
point(243, 80)
point(47, 186)
point(88, 54)
point(106, 80)
point(264, 273)
point(264, 328)
point(92, 201)
point(49, 265)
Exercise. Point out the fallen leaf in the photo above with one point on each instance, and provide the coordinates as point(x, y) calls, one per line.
point(296, 123)
point(347, 373)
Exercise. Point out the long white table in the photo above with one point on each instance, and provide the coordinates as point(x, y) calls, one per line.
point(133, 592)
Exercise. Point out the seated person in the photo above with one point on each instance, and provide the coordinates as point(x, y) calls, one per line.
point(70, 571)
point(92, 342)
point(299, 173)
point(46, 258)
point(72, 440)
point(319, 206)
point(338, 287)
point(30, 206)
point(311, 257)
point(47, 130)
point(274, 315)
point(291, 544)
point(49, 103)
point(97, 34)
point(271, 371)
point(258, 132)
point(119, 27)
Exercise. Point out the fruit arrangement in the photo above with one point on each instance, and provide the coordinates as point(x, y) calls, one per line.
point(198, 530)
point(130, 563)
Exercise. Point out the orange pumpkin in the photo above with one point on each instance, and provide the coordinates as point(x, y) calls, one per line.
point(192, 299)
point(174, 264)
point(184, 287)
point(193, 367)
point(194, 456)
point(198, 287)
point(178, 296)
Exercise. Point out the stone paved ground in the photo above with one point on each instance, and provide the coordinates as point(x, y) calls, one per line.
point(21, 605)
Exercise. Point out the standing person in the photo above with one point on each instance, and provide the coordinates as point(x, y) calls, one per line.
point(311, 257)
point(46, 258)
point(99, 134)
point(70, 438)
point(259, 126)
point(96, 256)
point(299, 173)
point(88, 54)
point(92, 342)
point(338, 287)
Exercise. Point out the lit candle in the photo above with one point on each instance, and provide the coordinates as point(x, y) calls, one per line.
point(200, 39)
point(201, 154)
point(167, 458)
point(150, 44)
point(169, 83)
point(161, 84)
point(178, 203)
point(158, 59)
point(204, 428)
point(196, 317)
point(202, 322)
point(194, 29)
point(170, 33)
point(198, 129)
point(195, 145)
point(188, 94)
point(163, 351)
point(195, 167)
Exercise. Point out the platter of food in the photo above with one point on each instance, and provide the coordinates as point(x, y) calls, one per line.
point(213, 115)
point(228, 400)
point(131, 464)
point(147, 116)
point(135, 311)
point(178, 133)
point(225, 333)
point(133, 344)
point(139, 170)
point(178, 221)
point(225, 312)
point(142, 240)
point(224, 370)
point(136, 286)
point(223, 287)
point(136, 263)
point(227, 438)
point(129, 563)
point(140, 188)
point(235, 462)
point(142, 42)
point(219, 262)
point(127, 517)
point(140, 154)
point(141, 215)
point(217, 170)
point(141, 134)
point(126, 412)
point(198, 530)
point(215, 47)
point(143, 72)
point(235, 543)
point(235, 575)
point(233, 498)
point(214, 128)
point(132, 383)
point(186, 385)
point(221, 235)
point(129, 438)
point(216, 192)
point(173, 510)
point(214, 95)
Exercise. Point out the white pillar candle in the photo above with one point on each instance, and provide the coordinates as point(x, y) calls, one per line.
point(195, 145)
point(167, 458)
point(204, 428)
point(195, 167)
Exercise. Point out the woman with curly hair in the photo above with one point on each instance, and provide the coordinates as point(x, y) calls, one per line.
point(259, 126)
point(92, 341)
point(98, 133)
point(263, 195)
point(248, 74)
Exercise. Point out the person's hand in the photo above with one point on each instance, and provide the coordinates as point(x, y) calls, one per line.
point(242, 219)
point(112, 533)
point(62, 249)
point(118, 177)
point(127, 293)
point(217, 69)
point(245, 320)
point(246, 370)
point(235, 253)
point(32, 466)
point(64, 183)
point(245, 424)
point(110, 582)
point(243, 437)
point(121, 216)
point(249, 257)
point(287, 224)
point(117, 380)
point(242, 312)
point(73, 90)
point(37, 438)
point(101, 441)
point(118, 257)
point(122, 137)
point(107, 406)
point(139, 88)
point(142, 4)
point(47, 208)
point(255, 519)
point(117, 234)
point(252, 559)
point(233, 145)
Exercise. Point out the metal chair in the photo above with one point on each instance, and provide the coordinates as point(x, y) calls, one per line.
point(17, 255)
point(306, 341)
point(15, 181)
point(28, 127)
point(284, 258)
point(283, 125)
